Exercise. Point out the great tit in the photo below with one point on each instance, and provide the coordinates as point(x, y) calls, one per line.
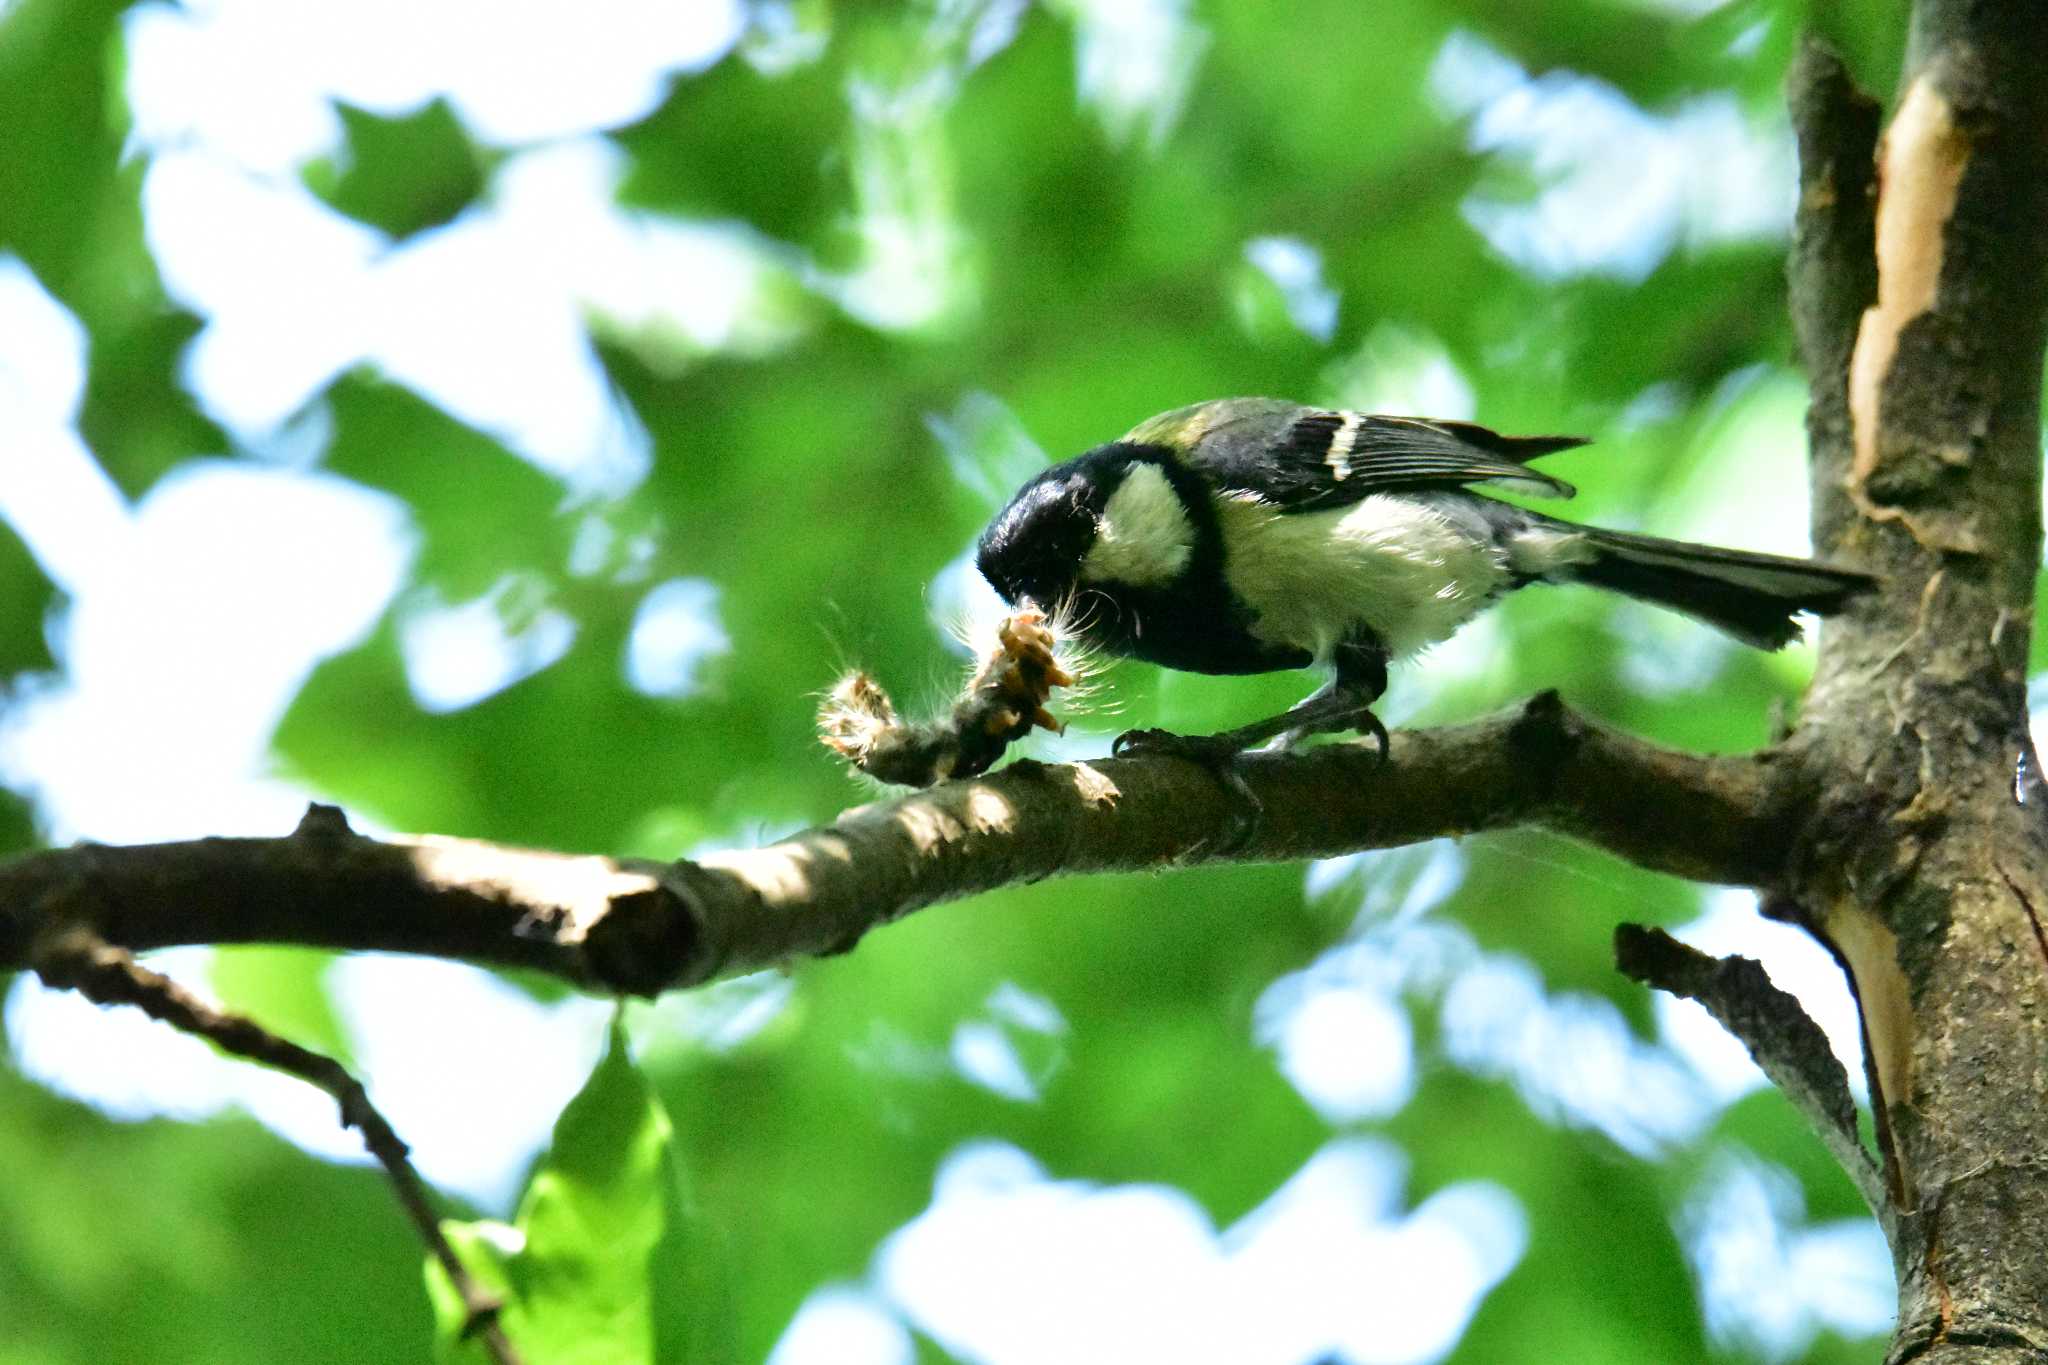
point(1248, 535)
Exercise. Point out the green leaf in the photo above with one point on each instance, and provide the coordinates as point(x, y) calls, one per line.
point(65, 201)
point(390, 438)
point(598, 1267)
point(403, 175)
point(485, 1248)
point(70, 207)
point(734, 142)
point(137, 415)
point(26, 596)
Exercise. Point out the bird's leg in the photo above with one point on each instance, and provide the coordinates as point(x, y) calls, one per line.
point(1343, 703)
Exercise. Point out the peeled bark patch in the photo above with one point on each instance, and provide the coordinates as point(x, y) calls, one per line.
point(1920, 169)
point(1885, 999)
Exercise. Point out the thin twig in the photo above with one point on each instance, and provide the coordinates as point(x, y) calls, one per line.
point(77, 958)
point(1780, 1035)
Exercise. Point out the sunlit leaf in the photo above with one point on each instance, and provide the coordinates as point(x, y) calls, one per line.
point(602, 1213)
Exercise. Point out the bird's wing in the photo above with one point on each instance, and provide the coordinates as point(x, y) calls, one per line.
point(1322, 458)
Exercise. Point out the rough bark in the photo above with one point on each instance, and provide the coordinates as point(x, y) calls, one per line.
point(1920, 310)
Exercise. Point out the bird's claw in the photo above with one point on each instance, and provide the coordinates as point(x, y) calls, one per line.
point(1145, 741)
point(1367, 723)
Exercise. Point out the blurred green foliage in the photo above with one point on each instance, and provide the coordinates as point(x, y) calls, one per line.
point(444, 172)
point(1074, 264)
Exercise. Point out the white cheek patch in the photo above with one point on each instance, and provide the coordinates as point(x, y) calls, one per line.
point(1144, 538)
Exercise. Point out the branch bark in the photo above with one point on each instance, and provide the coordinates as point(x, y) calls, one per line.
point(641, 927)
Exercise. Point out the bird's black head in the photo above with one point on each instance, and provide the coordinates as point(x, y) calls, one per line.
point(1034, 547)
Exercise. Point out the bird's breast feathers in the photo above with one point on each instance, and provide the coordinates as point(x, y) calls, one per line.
point(1398, 565)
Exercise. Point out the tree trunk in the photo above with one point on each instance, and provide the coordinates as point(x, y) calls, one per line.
point(1917, 285)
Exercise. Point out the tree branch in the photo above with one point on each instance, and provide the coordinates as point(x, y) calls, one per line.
point(70, 956)
point(1780, 1035)
point(638, 926)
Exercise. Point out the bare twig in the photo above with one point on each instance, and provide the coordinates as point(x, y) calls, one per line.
point(78, 958)
point(1780, 1035)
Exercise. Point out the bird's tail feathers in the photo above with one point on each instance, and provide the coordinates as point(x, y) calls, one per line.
point(1754, 597)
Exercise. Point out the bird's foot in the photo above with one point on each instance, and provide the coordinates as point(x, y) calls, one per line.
point(1223, 757)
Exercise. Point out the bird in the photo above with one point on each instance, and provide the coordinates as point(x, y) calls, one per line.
point(1251, 535)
